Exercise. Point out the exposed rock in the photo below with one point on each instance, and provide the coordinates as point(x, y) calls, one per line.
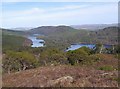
point(63, 81)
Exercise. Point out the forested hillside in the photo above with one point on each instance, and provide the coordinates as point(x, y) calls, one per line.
point(13, 40)
point(63, 36)
point(107, 35)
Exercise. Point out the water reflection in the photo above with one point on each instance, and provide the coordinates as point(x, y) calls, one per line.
point(36, 42)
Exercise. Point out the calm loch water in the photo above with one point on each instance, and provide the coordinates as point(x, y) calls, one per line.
point(91, 46)
point(36, 42)
point(76, 46)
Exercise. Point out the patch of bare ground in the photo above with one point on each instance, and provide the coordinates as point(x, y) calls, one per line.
point(61, 76)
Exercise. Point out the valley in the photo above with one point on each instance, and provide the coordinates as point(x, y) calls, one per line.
point(59, 44)
point(41, 53)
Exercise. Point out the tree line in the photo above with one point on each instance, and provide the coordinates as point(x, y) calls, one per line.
point(28, 58)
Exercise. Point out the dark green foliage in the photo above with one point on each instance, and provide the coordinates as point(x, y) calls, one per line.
point(91, 59)
point(82, 55)
point(117, 56)
point(53, 56)
point(87, 50)
point(117, 49)
point(16, 61)
point(12, 42)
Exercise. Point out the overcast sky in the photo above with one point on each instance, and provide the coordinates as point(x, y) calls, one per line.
point(34, 14)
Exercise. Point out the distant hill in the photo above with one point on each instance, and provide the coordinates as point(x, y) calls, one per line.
point(50, 30)
point(93, 26)
point(107, 35)
point(22, 28)
point(63, 36)
point(11, 32)
point(60, 36)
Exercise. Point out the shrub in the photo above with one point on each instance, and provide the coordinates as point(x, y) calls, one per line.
point(16, 61)
point(51, 56)
point(91, 59)
point(106, 68)
point(117, 79)
point(87, 50)
point(77, 56)
point(117, 56)
point(117, 49)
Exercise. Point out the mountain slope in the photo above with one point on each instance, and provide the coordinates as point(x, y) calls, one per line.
point(50, 30)
point(11, 32)
point(63, 36)
point(59, 36)
point(13, 39)
point(93, 27)
point(107, 35)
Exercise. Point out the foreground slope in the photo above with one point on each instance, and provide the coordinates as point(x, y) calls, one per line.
point(48, 76)
point(66, 76)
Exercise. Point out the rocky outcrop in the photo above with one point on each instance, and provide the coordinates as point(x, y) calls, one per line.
point(63, 81)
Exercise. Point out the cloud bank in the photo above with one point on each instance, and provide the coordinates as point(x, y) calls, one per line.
point(65, 15)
